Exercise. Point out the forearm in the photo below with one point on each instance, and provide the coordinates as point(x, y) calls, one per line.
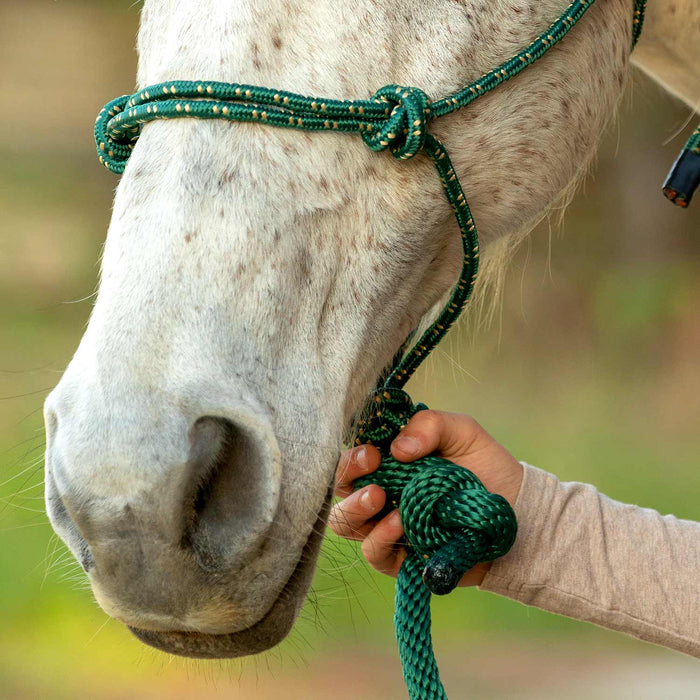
point(669, 48)
point(583, 555)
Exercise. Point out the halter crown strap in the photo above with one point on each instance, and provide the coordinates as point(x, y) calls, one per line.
point(452, 522)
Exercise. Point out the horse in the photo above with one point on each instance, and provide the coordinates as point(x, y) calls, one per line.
point(256, 282)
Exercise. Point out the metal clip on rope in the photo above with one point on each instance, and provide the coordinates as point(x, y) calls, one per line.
point(451, 521)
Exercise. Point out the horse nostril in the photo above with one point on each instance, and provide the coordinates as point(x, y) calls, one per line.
point(229, 499)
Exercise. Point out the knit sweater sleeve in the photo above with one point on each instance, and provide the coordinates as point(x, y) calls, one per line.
point(579, 553)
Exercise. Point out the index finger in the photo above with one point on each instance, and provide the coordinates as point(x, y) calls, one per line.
point(353, 464)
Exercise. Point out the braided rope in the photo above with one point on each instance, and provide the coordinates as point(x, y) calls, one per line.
point(640, 7)
point(451, 521)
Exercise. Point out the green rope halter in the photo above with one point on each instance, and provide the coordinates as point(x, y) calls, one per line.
point(451, 521)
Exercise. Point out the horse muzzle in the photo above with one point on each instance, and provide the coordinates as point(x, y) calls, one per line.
point(190, 547)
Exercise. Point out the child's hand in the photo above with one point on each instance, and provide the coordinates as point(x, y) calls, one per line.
point(453, 436)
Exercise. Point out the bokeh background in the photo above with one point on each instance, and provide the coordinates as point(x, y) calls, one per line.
point(590, 370)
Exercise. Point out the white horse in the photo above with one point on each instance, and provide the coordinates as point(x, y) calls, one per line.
point(255, 282)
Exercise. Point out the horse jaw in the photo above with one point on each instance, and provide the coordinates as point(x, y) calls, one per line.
point(256, 281)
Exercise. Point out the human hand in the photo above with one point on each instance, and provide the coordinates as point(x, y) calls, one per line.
point(455, 437)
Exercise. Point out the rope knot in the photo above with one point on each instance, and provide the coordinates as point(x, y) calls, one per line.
point(114, 152)
point(387, 412)
point(452, 522)
point(403, 132)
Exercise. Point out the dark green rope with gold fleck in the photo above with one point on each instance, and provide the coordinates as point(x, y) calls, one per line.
point(451, 521)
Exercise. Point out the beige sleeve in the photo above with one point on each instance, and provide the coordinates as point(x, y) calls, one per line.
point(579, 553)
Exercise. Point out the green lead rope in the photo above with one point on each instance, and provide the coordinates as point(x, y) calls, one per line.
point(451, 521)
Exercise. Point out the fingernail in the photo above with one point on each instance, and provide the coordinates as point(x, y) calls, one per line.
point(361, 458)
point(366, 500)
point(407, 444)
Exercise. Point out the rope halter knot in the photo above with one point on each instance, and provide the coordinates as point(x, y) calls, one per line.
point(114, 151)
point(404, 131)
point(388, 410)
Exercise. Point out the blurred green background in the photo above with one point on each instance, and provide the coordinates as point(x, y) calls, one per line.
point(591, 371)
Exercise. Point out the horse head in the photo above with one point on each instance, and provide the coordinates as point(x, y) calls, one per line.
point(255, 283)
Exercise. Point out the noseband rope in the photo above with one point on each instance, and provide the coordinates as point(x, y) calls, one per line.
point(451, 521)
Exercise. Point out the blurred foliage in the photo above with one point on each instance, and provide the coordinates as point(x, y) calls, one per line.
point(591, 372)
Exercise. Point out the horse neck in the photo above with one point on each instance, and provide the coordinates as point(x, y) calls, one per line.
point(669, 49)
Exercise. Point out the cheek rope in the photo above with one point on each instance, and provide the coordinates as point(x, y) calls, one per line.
point(451, 521)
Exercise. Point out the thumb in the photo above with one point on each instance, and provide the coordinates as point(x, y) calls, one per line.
point(452, 435)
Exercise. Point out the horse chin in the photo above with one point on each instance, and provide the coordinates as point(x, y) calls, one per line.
point(269, 631)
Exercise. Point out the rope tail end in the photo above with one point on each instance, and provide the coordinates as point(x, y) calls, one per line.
point(684, 177)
